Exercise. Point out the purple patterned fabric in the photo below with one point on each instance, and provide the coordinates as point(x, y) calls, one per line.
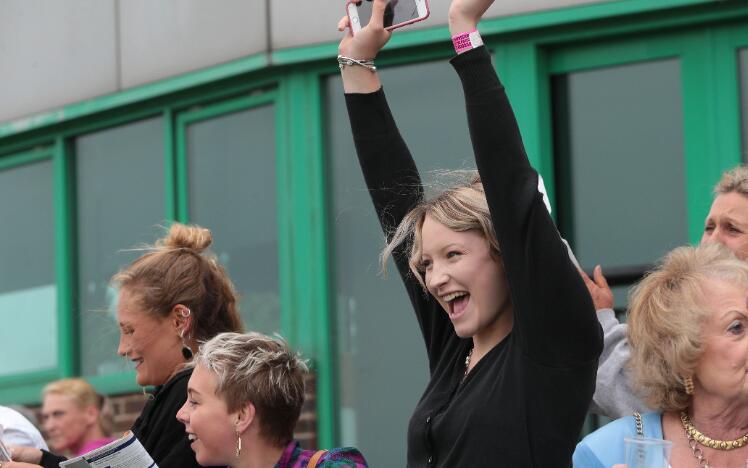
point(295, 457)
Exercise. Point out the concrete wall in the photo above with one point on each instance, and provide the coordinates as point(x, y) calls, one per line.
point(56, 53)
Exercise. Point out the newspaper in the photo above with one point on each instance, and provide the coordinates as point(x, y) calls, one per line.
point(126, 452)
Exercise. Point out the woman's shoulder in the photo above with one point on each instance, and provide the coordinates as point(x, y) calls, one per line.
point(294, 456)
point(344, 457)
point(604, 447)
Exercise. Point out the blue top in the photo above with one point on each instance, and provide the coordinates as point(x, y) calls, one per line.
point(604, 447)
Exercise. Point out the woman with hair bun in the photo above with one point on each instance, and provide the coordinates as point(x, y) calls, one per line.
point(170, 298)
point(74, 417)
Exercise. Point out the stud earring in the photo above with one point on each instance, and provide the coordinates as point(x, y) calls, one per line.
point(688, 384)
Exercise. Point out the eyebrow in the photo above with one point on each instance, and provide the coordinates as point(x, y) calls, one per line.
point(447, 247)
point(731, 219)
point(736, 311)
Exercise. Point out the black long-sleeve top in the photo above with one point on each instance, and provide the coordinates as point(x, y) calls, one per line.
point(524, 402)
point(157, 428)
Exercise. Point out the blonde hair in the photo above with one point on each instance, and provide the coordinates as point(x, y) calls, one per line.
point(460, 208)
point(262, 370)
point(83, 395)
point(176, 271)
point(667, 313)
point(734, 180)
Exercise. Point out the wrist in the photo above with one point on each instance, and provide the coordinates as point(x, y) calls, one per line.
point(460, 25)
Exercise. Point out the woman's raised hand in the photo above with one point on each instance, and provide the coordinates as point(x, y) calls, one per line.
point(465, 14)
point(367, 43)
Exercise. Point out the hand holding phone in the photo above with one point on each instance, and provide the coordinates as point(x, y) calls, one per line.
point(370, 39)
point(397, 13)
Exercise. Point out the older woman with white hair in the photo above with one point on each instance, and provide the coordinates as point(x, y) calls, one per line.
point(243, 401)
point(688, 330)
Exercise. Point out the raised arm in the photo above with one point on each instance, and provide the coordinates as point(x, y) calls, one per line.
point(388, 167)
point(554, 316)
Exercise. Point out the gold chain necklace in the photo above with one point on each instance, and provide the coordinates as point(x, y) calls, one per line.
point(706, 441)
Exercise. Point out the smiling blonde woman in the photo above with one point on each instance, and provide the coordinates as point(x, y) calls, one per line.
point(509, 327)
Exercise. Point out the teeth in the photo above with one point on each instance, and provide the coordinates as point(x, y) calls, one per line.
point(192, 437)
point(452, 296)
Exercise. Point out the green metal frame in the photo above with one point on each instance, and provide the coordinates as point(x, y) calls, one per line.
point(528, 48)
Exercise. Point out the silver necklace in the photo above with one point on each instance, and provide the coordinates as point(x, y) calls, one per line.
point(467, 363)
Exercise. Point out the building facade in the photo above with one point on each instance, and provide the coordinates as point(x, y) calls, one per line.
point(117, 117)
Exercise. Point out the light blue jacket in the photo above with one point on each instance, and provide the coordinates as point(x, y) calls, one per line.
point(604, 447)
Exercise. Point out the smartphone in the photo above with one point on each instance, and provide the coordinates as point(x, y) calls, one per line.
point(397, 13)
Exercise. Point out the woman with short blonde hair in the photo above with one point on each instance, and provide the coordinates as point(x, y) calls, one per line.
point(244, 400)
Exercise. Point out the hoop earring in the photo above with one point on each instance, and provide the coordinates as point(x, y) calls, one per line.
point(688, 384)
point(238, 444)
point(186, 351)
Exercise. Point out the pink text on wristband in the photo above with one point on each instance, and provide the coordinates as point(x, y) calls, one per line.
point(467, 41)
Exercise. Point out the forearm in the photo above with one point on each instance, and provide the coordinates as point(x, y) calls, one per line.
point(614, 393)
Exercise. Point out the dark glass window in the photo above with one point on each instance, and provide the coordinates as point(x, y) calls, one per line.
point(620, 166)
point(232, 191)
point(120, 193)
point(28, 293)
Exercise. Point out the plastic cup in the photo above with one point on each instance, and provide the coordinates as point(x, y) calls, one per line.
point(642, 452)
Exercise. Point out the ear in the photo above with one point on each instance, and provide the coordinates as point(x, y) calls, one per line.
point(244, 417)
point(91, 413)
point(181, 318)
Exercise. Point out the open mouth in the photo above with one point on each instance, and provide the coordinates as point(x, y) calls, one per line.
point(457, 302)
point(137, 362)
